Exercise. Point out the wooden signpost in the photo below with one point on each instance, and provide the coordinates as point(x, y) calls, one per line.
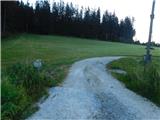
point(148, 56)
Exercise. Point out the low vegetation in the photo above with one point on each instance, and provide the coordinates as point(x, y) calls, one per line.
point(141, 78)
point(61, 50)
point(23, 85)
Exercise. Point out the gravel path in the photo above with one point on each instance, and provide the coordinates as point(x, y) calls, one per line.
point(89, 92)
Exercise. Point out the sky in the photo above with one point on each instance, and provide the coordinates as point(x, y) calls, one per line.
point(139, 9)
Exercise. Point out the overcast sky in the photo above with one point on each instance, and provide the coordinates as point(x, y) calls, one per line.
point(139, 9)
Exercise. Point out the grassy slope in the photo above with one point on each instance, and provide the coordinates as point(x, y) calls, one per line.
point(141, 78)
point(58, 50)
point(57, 53)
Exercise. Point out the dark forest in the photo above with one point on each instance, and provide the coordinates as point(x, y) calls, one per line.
point(64, 19)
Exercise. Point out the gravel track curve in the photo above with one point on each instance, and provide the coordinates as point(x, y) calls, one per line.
point(90, 92)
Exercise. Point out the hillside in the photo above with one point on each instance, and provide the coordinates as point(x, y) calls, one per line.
point(22, 85)
point(57, 49)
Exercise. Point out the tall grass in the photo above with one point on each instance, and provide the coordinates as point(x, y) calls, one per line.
point(26, 76)
point(14, 101)
point(23, 85)
point(141, 78)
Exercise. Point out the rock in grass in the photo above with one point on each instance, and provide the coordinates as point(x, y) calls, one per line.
point(37, 64)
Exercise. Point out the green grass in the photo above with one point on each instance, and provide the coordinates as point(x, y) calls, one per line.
point(141, 78)
point(61, 50)
point(22, 85)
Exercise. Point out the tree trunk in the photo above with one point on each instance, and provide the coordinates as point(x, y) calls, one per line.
point(27, 28)
point(4, 21)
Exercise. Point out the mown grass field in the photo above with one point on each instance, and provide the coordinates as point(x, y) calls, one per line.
point(22, 85)
point(61, 50)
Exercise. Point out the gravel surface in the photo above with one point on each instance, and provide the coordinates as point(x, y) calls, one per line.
point(90, 92)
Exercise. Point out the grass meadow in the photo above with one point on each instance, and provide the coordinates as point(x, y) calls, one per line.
point(142, 78)
point(61, 50)
point(23, 85)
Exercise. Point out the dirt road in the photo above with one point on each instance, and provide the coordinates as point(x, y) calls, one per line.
point(90, 92)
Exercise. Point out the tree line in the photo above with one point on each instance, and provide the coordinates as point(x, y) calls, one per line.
point(64, 19)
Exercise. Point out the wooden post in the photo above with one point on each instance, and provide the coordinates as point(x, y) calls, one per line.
point(148, 54)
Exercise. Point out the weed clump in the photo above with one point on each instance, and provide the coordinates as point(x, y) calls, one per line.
point(22, 86)
point(32, 80)
point(14, 100)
